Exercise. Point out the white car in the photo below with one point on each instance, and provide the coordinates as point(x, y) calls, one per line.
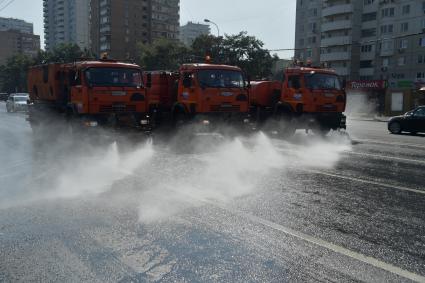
point(17, 102)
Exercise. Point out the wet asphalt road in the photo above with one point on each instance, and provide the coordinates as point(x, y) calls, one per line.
point(258, 210)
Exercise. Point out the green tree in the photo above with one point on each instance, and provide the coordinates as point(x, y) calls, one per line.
point(163, 54)
point(13, 75)
point(241, 50)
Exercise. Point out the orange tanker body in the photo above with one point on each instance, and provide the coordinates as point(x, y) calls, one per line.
point(306, 98)
point(205, 93)
point(91, 92)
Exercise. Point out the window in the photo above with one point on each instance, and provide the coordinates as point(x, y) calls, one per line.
point(403, 43)
point(420, 75)
point(368, 32)
point(401, 61)
point(385, 62)
point(369, 17)
point(422, 41)
point(420, 112)
point(294, 82)
point(420, 59)
point(406, 9)
point(366, 48)
point(387, 12)
point(368, 2)
point(404, 27)
point(366, 64)
point(385, 29)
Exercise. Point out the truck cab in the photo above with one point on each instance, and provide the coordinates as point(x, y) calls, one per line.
point(96, 92)
point(304, 98)
point(203, 93)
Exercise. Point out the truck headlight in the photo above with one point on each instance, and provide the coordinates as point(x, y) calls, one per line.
point(144, 122)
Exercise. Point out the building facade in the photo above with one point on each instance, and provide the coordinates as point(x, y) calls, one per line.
point(378, 43)
point(66, 21)
point(165, 19)
point(118, 26)
point(16, 24)
point(190, 31)
point(15, 42)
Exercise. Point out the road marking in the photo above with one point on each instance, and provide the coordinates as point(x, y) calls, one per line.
point(307, 238)
point(388, 143)
point(401, 188)
point(324, 244)
point(386, 157)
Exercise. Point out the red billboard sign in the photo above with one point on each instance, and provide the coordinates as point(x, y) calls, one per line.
point(367, 85)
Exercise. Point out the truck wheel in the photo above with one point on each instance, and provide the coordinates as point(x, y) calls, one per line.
point(395, 128)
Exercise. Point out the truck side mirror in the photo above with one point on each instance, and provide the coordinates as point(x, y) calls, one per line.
point(187, 80)
point(149, 80)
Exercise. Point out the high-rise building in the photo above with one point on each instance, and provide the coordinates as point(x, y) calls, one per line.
point(16, 42)
point(16, 24)
point(165, 19)
point(190, 31)
point(66, 21)
point(117, 26)
point(378, 45)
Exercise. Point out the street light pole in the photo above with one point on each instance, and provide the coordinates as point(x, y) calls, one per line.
point(211, 22)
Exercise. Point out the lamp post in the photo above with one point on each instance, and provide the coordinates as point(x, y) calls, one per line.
point(211, 22)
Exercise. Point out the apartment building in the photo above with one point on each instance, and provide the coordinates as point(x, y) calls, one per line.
point(376, 45)
point(14, 42)
point(66, 21)
point(16, 24)
point(117, 26)
point(190, 31)
point(165, 19)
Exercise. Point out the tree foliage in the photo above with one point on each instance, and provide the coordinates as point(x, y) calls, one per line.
point(240, 50)
point(162, 55)
point(13, 75)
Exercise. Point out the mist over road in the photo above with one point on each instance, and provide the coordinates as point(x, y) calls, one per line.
point(240, 209)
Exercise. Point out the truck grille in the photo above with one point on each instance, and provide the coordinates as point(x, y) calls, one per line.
point(225, 108)
point(117, 108)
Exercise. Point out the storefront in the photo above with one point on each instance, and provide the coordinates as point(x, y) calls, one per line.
point(403, 96)
point(367, 97)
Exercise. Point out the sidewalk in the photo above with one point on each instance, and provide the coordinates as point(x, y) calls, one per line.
point(366, 117)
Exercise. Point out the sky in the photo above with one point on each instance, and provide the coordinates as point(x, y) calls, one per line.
point(271, 21)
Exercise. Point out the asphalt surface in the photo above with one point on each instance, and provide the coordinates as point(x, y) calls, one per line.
point(346, 208)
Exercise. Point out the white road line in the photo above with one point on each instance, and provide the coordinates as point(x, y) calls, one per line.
point(335, 248)
point(401, 188)
point(389, 143)
point(316, 241)
point(386, 157)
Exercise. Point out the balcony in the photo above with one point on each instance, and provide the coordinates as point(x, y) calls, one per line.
point(335, 41)
point(337, 10)
point(342, 71)
point(337, 25)
point(335, 56)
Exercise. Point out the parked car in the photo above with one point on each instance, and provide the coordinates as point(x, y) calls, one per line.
point(17, 102)
point(4, 96)
point(412, 122)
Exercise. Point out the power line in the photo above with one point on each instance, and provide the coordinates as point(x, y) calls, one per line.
point(7, 5)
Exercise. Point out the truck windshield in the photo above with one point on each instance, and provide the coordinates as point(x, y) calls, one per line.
point(322, 81)
point(113, 77)
point(220, 79)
